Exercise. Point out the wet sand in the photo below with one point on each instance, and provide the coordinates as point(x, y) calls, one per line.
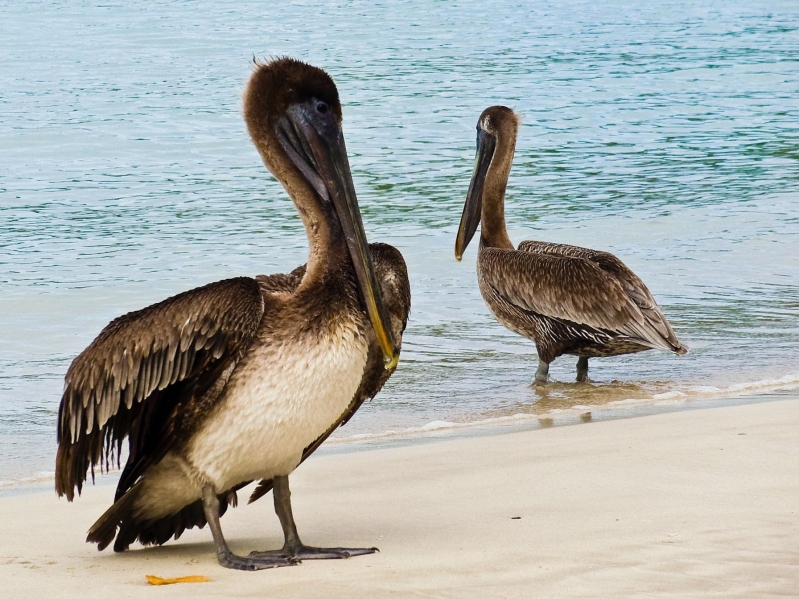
point(701, 503)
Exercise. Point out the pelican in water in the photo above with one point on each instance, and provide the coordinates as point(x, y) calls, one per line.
point(567, 299)
point(243, 379)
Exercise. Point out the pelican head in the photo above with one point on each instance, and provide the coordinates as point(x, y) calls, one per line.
point(497, 128)
point(293, 114)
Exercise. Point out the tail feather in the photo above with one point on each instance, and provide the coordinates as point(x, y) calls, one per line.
point(104, 530)
point(119, 517)
point(681, 349)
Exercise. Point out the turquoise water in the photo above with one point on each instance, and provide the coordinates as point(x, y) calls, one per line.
point(667, 134)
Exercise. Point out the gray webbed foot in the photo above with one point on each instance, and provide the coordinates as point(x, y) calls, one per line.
point(293, 547)
point(225, 556)
point(304, 552)
point(251, 563)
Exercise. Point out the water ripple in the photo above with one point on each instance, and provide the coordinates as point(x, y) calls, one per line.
point(666, 132)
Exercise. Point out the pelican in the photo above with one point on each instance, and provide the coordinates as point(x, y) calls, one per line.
point(244, 378)
point(567, 299)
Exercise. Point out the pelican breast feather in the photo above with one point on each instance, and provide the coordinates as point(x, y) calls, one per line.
point(392, 273)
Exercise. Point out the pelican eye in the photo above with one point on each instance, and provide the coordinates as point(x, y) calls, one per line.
point(322, 107)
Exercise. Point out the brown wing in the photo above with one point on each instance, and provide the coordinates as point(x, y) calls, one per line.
point(396, 290)
point(574, 289)
point(632, 285)
point(140, 367)
point(159, 531)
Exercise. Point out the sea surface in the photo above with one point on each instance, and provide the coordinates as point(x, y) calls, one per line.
point(665, 132)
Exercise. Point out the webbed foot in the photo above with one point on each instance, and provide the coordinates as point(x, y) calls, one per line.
point(236, 562)
point(305, 552)
point(293, 548)
point(226, 557)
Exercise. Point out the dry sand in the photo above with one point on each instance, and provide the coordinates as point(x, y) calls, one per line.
point(700, 503)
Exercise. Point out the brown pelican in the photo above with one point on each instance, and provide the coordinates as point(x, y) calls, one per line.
point(242, 379)
point(567, 299)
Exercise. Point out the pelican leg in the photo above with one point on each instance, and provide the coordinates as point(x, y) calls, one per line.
point(293, 548)
point(542, 374)
point(223, 553)
point(582, 369)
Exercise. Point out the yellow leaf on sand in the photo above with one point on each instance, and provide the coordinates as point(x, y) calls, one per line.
point(157, 580)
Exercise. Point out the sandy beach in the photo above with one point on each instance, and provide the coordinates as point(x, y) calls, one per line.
point(701, 503)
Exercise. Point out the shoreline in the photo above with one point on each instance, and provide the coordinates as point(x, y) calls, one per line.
point(690, 503)
point(443, 430)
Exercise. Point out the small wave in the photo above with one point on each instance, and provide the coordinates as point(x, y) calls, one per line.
point(668, 395)
point(434, 426)
point(544, 419)
point(789, 381)
point(570, 414)
point(38, 477)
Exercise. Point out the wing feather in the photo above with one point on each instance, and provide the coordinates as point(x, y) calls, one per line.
point(578, 285)
point(631, 283)
point(138, 359)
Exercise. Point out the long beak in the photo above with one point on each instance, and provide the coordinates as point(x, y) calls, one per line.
point(474, 197)
point(330, 167)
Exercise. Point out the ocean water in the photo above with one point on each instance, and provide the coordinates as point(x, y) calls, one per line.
point(667, 133)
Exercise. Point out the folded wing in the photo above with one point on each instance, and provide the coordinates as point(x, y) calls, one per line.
point(578, 285)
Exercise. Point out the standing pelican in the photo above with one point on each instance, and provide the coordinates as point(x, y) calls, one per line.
point(242, 379)
point(567, 299)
